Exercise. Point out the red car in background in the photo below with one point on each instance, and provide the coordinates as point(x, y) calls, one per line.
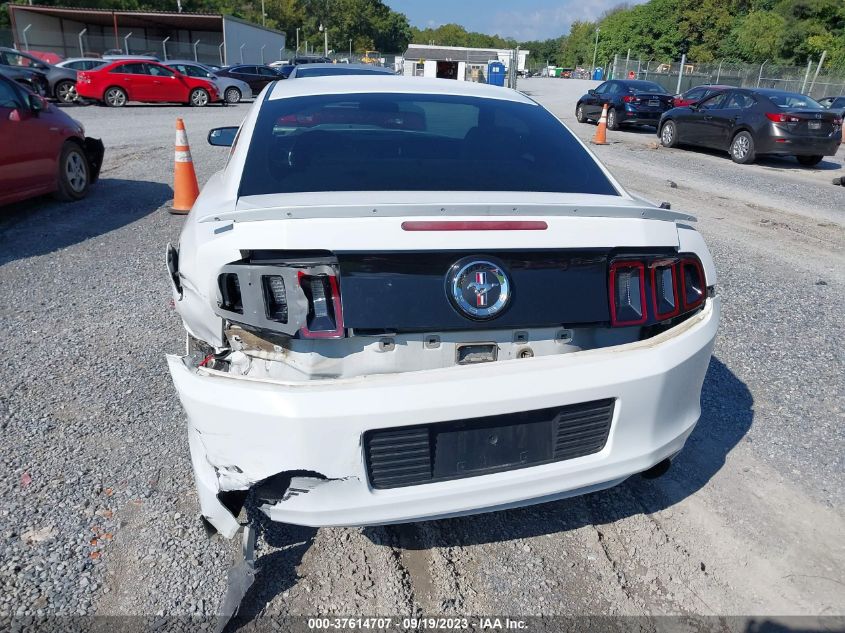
point(140, 80)
point(699, 93)
point(43, 150)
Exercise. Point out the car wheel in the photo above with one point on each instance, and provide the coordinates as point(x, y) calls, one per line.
point(579, 114)
point(612, 119)
point(742, 148)
point(199, 97)
point(74, 173)
point(809, 161)
point(232, 95)
point(115, 97)
point(66, 91)
point(669, 134)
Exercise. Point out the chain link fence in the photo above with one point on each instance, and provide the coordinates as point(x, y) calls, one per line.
point(802, 79)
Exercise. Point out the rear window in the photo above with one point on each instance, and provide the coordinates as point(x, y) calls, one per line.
point(397, 142)
point(646, 86)
point(789, 100)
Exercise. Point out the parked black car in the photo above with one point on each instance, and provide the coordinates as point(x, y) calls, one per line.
point(33, 79)
point(62, 81)
point(255, 75)
point(748, 122)
point(836, 104)
point(629, 101)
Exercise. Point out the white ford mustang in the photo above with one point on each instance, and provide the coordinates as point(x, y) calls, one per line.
point(409, 299)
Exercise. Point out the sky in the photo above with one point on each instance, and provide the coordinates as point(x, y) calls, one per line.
point(520, 19)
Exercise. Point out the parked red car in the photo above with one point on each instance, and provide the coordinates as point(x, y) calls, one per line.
point(140, 80)
point(43, 149)
point(699, 93)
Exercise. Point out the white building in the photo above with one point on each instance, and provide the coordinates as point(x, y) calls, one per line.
point(456, 62)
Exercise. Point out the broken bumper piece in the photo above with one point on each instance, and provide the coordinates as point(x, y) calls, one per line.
point(299, 446)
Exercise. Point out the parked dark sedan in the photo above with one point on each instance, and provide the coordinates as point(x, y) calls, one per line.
point(629, 101)
point(255, 75)
point(835, 104)
point(62, 80)
point(748, 122)
point(34, 80)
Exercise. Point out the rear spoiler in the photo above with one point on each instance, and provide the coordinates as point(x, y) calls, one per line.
point(646, 211)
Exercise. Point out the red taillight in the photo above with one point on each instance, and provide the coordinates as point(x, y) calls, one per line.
point(664, 290)
point(629, 99)
point(325, 312)
point(779, 117)
point(673, 286)
point(693, 288)
point(627, 293)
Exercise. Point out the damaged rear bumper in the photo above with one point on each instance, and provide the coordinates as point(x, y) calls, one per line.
point(245, 431)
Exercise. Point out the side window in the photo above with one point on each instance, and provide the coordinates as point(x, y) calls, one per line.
point(839, 102)
point(266, 72)
point(130, 69)
point(8, 97)
point(159, 71)
point(695, 94)
point(713, 103)
point(739, 100)
point(603, 88)
point(196, 71)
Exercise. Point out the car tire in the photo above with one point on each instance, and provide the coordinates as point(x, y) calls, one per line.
point(742, 148)
point(579, 114)
point(809, 161)
point(74, 175)
point(115, 97)
point(232, 95)
point(65, 91)
point(669, 134)
point(199, 98)
point(613, 120)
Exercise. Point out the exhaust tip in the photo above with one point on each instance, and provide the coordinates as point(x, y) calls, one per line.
point(658, 470)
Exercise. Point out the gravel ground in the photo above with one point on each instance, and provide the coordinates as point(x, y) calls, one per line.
point(100, 514)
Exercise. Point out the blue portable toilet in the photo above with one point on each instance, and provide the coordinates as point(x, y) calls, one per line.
point(597, 73)
point(496, 74)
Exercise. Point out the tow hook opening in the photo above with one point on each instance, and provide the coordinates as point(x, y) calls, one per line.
point(658, 470)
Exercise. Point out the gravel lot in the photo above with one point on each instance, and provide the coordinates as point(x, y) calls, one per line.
point(100, 515)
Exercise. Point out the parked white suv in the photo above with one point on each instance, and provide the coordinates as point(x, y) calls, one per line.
point(409, 299)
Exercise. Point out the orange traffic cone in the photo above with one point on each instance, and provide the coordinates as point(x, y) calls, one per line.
point(601, 131)
point(185, 187)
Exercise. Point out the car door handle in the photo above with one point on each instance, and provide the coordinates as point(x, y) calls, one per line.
point(708, 117)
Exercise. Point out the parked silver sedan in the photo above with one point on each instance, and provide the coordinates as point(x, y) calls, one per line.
point(232, 90)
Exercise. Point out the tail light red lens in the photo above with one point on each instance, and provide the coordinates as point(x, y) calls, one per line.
point(627, 293)
point(649, 290)
point(780, 117)
point(693, 288)
point(664, 284)
point(629, 99)
point(325, 312)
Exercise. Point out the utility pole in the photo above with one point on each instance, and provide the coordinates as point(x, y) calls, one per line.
point(263, 15)
point(816, 75)
point(681, 73)
point(760, 76)
point(595, 51)
point(806, 75)
point(350, 51)
point(297, 40)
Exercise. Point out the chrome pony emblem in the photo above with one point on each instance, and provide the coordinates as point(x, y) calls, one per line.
point(479, 289)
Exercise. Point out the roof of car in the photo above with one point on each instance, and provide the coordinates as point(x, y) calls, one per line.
point(182, 61)
point(382, 83)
